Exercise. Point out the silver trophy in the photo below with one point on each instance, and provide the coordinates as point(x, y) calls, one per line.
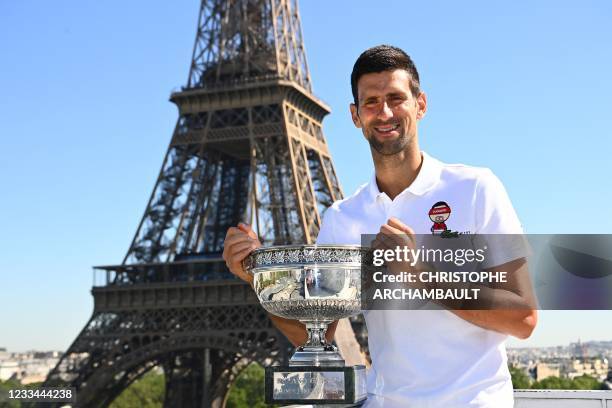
point(315, 284)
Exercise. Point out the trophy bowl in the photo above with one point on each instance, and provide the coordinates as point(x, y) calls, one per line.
point(315, 284)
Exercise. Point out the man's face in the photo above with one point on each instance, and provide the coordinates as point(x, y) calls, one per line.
point(439, 217)
point(387, 111)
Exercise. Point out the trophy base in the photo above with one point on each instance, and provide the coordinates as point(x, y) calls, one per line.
point(315, 385)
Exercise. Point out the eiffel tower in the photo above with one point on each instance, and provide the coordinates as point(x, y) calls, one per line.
point(248, 146)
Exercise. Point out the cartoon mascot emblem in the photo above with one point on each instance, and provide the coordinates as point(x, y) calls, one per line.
point(438, 214)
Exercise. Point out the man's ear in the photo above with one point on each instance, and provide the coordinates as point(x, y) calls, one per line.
point(421, 105)
point(355, 115)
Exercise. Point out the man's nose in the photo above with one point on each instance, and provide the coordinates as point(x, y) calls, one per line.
point(385, 112)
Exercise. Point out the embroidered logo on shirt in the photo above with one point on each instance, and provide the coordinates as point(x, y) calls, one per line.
point(438, 214)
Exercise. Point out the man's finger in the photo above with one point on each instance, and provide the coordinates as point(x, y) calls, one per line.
point(376, 244)
point(236, 238)
point(395, 234)
point(240, 246)
point(233, 231)
point(239, 256)
point(388, 241)
point(387, 229)
point(405, 236)
point(247, 228)
point(382, 242)
point(396, 223)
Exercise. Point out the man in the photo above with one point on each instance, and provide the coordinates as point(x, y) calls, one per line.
point(420, 358)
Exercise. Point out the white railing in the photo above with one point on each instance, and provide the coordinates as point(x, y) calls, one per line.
point(562, 399)
point(545, 399)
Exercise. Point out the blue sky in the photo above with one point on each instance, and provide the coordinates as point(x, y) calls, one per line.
point(520, 87)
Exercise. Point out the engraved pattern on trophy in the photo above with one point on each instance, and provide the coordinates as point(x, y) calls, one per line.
point(247, 146)
point(289, 281)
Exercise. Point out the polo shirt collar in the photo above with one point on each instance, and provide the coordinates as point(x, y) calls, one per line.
point(426, 179)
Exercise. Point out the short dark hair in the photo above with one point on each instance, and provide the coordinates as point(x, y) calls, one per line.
point(384, 58)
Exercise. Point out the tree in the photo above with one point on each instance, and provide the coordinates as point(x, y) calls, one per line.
point(12, 384)
point(520, 380)
point(584, 382)
point(248, 389)
point(5, 386)
point(552, 383)
point(147, 392)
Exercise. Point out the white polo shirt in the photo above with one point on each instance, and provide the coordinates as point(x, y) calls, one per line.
point(431, 358)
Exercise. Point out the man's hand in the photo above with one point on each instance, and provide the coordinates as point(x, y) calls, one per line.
point(514, 311)
point(239, 242)
point(395, 234)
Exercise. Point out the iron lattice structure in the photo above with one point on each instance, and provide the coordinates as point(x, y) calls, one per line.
point(248, 146)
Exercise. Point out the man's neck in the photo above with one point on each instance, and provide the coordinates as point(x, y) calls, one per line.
point(396, 173)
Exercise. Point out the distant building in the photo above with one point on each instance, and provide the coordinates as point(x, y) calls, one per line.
point(8, 369)
point(594, 367)
point(545, 370)
point(36, 369)
point(28, 367)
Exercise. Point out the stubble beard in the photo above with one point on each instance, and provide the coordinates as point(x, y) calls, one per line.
point(389, 147)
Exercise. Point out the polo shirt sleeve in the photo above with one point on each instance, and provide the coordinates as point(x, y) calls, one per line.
point(326, 235)
point(496, 224)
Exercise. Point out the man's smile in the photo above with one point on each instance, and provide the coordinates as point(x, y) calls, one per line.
point(387, 130)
